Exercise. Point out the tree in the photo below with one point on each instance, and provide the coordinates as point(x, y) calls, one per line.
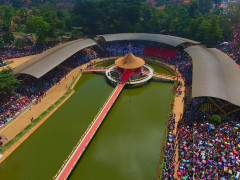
point(76, 32)
point(8, 38)
point(215, 30)
point(227, 27)
point(40, 27)
point(20, 42)
point(216, 118)
point(205, 5)
point(8, 82)
point(17, 3)
point(217, 2)
point(193, 9)
point(22, 15)
point(6, 13)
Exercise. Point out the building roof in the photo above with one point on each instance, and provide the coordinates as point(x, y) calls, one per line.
point(46, 61)
point(215, 74)
point(129, 61)
point(170, 40)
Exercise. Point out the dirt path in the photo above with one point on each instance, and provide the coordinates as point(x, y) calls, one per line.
point(17, 61)
point(178, 111)
point(18, 124)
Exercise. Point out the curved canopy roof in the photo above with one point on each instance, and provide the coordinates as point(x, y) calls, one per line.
point(215, 74)
point(46, 61)
point(170, 40)
point(129, 61)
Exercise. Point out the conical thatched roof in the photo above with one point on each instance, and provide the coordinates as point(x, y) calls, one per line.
point(129, 61)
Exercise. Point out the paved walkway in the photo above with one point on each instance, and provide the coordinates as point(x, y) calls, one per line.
point(83, 143)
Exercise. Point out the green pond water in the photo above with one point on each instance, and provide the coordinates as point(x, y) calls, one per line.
point(127, 145)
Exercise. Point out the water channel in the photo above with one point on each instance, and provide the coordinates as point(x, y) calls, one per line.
point(127, 146)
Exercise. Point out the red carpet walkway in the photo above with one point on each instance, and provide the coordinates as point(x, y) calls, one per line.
point(163, 76)
point(126, 75)
point(78, 150)
point(97, 69)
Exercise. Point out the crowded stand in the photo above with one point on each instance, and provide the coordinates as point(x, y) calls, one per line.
point(207, 150)
point(80, 58)
point(169, 151)
point(165, 52)
point(31, 89)
point(232, 48)
point(123, 47)
point(12, 52)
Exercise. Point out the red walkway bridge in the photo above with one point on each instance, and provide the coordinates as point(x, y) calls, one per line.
point(78, 150)
point(101, 68)
point(97, 69)
point(126, 75)
point(160, 75)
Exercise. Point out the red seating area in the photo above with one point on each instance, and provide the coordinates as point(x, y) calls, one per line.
point(126, 75)
point(165, 52)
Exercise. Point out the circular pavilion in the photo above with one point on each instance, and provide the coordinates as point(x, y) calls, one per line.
point(129, 69)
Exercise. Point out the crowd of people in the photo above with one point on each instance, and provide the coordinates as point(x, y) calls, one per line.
point(184, 64)
point(81, 57)
point(205, 150)
point(11, 52)
point(139, 48)
point(2, 63)
point(29, 91)
point(162, 51)
point(208, 150)
point(168, 54)
point(169, 151)
point(115, 48)
point(232, 48)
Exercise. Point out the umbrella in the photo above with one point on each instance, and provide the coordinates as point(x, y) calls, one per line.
point(224, 160)
point(178, 173)
point(203, 161)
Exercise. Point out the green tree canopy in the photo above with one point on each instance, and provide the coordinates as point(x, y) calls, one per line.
point(8, 38)
point(40, 27)
point(8, 82)
point(6, 13)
